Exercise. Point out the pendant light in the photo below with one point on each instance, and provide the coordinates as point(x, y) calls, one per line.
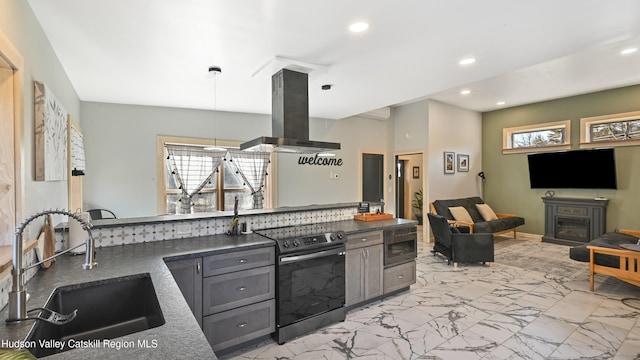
point(326, 87)
point(214, 71)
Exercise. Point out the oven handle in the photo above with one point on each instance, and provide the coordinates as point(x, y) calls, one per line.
point(319, 254)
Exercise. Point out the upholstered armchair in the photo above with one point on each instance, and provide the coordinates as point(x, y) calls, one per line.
point(459, 247)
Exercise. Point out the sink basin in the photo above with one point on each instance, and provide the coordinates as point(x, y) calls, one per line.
point(107, 309)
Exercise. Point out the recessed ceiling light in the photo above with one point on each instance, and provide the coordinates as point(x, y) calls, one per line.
point(500, 103)
point(358, 27)
point(467, 61)
point(465, 92)
point(628, 51)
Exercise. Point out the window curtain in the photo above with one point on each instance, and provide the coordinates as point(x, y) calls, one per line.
point(252, 166)
point(193, 167)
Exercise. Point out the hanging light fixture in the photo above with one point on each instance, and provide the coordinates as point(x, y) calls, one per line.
point(214, 71)
point(326, 87)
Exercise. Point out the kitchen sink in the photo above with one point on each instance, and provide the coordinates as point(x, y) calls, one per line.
point(107, 309)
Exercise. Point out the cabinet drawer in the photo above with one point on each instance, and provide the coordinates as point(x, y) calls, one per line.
point(239, 325)
point(400, 276)
point(228, 291)
point(359, 240)
point(238, 260)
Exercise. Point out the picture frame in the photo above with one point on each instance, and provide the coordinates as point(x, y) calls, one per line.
point(463, 163)
point(416, 172)
point(449, 162)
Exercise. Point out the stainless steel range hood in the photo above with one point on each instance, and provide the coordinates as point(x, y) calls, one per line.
point(290, 118)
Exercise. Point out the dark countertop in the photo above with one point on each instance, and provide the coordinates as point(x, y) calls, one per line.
point(354, 226)
point(180, 336)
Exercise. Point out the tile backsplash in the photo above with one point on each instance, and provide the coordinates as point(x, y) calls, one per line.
point(178, 229)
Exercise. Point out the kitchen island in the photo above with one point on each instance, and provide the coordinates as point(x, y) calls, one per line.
point(180, 336)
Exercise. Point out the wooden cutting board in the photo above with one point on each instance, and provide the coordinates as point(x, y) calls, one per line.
point(372, 217)
point(49, 242)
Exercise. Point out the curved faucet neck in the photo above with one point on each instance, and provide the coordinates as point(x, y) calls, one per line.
point(18, 295)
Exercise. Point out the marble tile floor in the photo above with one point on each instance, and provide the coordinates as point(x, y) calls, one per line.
point(533, 303)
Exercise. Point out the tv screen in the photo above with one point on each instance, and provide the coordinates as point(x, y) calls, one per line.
point(578, 169)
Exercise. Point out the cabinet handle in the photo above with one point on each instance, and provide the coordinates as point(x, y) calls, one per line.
point(242, 261)
point(241, 325)
point(400, 276)
point(241, 288)
point(198, 267)
point(364, 239)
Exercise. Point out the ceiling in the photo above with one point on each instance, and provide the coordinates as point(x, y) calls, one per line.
point(157, 52)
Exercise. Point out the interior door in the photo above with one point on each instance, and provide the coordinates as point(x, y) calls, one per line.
point(372, 177)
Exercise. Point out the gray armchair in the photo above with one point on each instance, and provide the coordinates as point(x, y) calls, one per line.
point(457, 246)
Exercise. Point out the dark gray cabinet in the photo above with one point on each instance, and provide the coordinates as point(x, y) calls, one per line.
point(399, 276)
point(364, 267)
point(232, 290)
point(188, 276)
point(238, 297)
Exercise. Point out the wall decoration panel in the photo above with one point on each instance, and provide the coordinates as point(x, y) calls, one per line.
point(51, 135)
point(7, 168)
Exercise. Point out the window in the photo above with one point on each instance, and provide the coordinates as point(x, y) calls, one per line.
point(610, 130)
point(550, 136)
point(218, 194)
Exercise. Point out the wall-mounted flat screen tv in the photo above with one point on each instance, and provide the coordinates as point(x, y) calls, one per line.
point(577, 169)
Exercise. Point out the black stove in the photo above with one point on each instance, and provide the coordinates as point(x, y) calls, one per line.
point(310, 274)
point(300, 238)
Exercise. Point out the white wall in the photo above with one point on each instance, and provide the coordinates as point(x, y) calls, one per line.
point(458, 130)
point(308, 184)
point(410, 135)
point(19, 24)
point(120, 148)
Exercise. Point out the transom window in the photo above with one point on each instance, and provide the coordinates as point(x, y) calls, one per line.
point(551, 136)
point(610, 130)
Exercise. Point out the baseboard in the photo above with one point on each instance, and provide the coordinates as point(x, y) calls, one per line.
point(528, 236)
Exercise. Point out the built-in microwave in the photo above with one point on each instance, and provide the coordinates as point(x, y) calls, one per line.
point(400, 245)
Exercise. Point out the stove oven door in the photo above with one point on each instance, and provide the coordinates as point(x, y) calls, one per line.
point(309, 284)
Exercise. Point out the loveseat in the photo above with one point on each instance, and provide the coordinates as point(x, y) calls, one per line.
point(487, 222)
point(610, 240)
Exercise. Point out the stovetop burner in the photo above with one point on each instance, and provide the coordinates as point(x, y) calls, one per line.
point(304, 237)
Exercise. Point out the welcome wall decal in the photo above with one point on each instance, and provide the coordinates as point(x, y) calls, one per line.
point(319, 160)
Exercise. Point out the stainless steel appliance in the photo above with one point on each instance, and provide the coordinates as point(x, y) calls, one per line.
point(400, 245)
point(310, 272)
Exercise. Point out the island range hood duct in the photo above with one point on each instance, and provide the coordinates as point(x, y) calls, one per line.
point(290, 118)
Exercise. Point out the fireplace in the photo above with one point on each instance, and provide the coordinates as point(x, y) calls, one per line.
point(573, 221)
point(572, 228)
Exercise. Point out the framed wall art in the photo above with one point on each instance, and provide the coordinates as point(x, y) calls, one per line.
point(449, 162)
point(416, 172)
point(51, 135)
point(463, 163)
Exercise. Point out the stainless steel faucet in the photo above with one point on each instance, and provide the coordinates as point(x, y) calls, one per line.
point(18, 294)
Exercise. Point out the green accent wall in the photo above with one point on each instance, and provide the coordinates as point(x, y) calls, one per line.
point(507, 187)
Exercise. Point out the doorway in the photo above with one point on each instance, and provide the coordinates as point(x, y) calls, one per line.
point(409, 186)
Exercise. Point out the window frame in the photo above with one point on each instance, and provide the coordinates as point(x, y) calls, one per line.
point(507, 135)
point(586, 123)
point(161, 168)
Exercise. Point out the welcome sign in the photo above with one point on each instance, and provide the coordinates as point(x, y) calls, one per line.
point(319, 160)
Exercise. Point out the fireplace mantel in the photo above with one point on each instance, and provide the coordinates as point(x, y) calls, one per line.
point(574, 221)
